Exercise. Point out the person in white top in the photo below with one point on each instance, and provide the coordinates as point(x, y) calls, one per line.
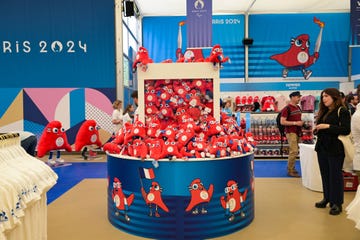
point(117, 115)
point(353, 208)
point(128, 114)
point(355, 132)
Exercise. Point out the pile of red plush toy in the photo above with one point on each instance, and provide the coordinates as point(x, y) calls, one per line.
point(180, 123)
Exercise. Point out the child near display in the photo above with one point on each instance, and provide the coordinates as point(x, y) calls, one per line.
point(116, 118)
point(128, 114)
point(134, 96)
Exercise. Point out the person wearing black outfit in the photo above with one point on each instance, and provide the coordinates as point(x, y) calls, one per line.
point(352, 101)
point(134, 96)
point(333, 119)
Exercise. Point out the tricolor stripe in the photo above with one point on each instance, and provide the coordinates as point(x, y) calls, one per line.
point(147, 173)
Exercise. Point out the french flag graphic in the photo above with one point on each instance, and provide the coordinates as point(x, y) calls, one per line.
point(147, 173)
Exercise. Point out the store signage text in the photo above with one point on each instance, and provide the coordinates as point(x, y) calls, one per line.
point(14, 47)
point(226, 21)
point(293, 86)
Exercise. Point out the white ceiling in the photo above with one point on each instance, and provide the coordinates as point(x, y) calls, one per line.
point(178, 7)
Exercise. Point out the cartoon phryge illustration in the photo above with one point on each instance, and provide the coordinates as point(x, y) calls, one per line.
point(153, 197)
point(298, 57)
point(233, 201)
point(199, 196)
point(121, 202)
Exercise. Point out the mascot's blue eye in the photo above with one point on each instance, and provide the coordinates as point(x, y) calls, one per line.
point(62, 129)
point(307, 44)
point(91, 128)
point(298, 43)
point(195, 186)
point(55, 130)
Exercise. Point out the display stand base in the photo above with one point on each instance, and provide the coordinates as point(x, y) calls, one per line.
point(194, 199)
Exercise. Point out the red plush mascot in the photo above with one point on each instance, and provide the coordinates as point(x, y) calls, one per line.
point(142, 59)
point(217, 57)
point(53, 138)
point(87, 136)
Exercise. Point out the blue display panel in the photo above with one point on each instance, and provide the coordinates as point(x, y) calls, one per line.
point(57, 43)
point(273, 34)
point(181, 199)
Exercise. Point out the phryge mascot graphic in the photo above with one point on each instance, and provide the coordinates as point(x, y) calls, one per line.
point(121, 202)
point(233, 201)
point(298, 57)
point(153, 197)
point(199, 196)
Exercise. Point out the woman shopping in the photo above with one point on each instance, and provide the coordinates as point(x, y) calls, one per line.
point(333, 119)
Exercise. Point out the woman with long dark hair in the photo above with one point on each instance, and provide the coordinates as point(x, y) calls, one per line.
point(333, 119)
point(128, 114)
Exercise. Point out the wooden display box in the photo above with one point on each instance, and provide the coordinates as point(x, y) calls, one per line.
point(159, 71)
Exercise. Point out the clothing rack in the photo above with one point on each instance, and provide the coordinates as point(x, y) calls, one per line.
point(24, 182)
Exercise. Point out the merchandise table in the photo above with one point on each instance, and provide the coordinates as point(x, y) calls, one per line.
point(310, 172)
point(180, 199)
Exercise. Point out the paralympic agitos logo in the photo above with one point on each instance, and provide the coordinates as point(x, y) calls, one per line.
point(42, 46)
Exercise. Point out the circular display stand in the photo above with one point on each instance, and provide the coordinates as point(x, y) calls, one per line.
point(193, 199)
